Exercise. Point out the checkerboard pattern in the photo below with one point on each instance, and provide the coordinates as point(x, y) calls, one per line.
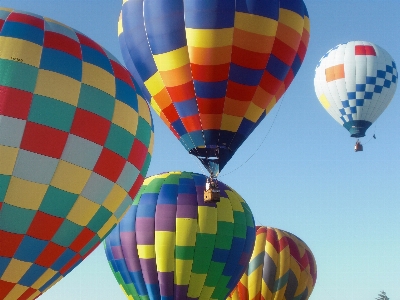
point(75, 145)
point(172, 245)
point(212, 69)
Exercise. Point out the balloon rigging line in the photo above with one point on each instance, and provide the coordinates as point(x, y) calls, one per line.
point(262, 142)
point(372, 135)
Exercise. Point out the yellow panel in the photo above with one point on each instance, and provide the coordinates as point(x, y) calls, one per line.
point(225, 213)
point(20, 50)
point(99, 78)
point(186, 231)
point(70, 178)
point(52, 284)
point(172, 60)
point(206, 292)
point(8, 157)
point(36, 294)
point(256, 24)
point(15, 270)
point(155, 106)
point(209, 38)
point(115, 198)
point(271, 252)
point(182, 271)
point(324, 101)
point(25, 194)
point(165, 250)
point(151, 144)
point(107, 226)
point(154, 84)
point(236, 201)
point(47, 275)
point(196, 285)
point(146, 251)
point(58, 86)
point(16, 292)
point(265, 292)
point(207, 221)
point(291, 19)
point(254, 282)
point(253, 112)
point(120, 28)
point(230, 123)
point(125, 117)
point(270, 105)
point(144, 110)
point(82, 211)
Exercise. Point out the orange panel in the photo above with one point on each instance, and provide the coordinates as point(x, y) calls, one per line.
point(262, 98)
point(289, 36)
point(270, 83)
point(163, 99)
point(177, 76)
point(191, 123)
point(211, 121)
point(252, 41)
point(235, 107)
point(210, 56)
point(181, 92)
point(334, 73)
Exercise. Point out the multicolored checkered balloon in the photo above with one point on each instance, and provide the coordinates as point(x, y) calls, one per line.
point(172, 245)
point(75, 146)
point(281, 267)
point(212, 69)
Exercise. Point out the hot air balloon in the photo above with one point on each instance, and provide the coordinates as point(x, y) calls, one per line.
point(172, 245)
point(355, 82)
point(75, 145)
point(281, 267)
point(211, 69)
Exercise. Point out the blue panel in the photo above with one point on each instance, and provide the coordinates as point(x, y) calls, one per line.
point(29, 249)
point(360, 87)
point(113, 239)
point(296, 6)
point(342, 111)
point(147, 206)
point(226, 137)
point(380, 74)
point(351, 95)
point(210, 89)
point(168, 194)
point(378, 89)
point(219, 14)
point(61, 62)
point(387, 83)
point(368, 95)
point(199, 180)
point(197, 138)
point(389, 69)
point(296, 64)
point(63, 259)
point(187, 142)
point(179, 128)
point(245, 127)
point(32, 275)
point(50, 282)
point(350, 117)
point(265, 8)
point(138, 281)
point(245, 76)
point(345, 103)
point(153, 290)
point(121, 267)
point(371, 80)
point(220, 255)
point(353, 109)
point(237, 141)
point(234, 256)
point(186, 108)
point(394, 79)
point(250, 236)
point(126, 94)
point(277, 68)
point(211, 137)
point(165, 25)
point(186, 186)
point(360, 102)
point(96, 58)
point(4, 261)
point(125, 225)
point(23, 31)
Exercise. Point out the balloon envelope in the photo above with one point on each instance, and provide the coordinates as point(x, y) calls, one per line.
point(355, 82)
point(172, 245)
point(281, 267)
point(75, 146)
point(211, 69)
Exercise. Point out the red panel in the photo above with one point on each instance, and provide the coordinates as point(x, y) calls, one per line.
point(243, 292)
point(1, 24)
point(49, 255)
point(170, 113)
point(121, 73)
point(136, 186)
point(181, 92)
point(365, 50)
point(9, 243)
point(63, 43)
point(90, 126)
point(69, 265)
point(5, 288)
point(210, 73)
point(44, 226)
point(43, 140)
point(272, 238)
point(269, 83)
point(84, 40)
point(109, 165)
point(249, 59)
point(191, 123)
point(210, 106)
point(301, 52)
point(15, 103)
point(289, 78)
point(82, 240)
point(138, 154)
point(284, 52)
point(29, 292)
point(239, 91)
point(27, 19)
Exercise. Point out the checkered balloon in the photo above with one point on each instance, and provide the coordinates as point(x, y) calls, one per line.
point(172, 245)
point(75, 146)
point(355, 82)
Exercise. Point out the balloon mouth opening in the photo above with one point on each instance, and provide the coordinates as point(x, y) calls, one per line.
point(357, 128)
point(212, 157)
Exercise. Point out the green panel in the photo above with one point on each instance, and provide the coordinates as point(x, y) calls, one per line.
point(184, 252)
point(172, 179)
point(154, 186)
point(214, 273)
point(240, 224)
point(57, 202)
point(67, 233)
point(143, 132)
point(4, 182)
point(224, 235)
point(131, 290)
point(146, 165)
point(51, 112)
point(18, 75)
point(119, 140)
point(14, 219)
point(89, 245)
point(96, 101)
point(203, 252)
point(221, 289)
point(249, 215)
point(280, 282)
point(187, 175)
point(99, 219)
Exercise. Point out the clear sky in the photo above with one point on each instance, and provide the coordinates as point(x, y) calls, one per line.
point(305, 177)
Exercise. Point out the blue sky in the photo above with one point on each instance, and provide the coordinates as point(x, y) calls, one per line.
point(305, 177)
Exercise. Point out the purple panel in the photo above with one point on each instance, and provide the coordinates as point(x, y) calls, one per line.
point(187, 211)
point(187, 199)
point(117, 252)
point(166, 282)
point(145, 231)
point(128, 241)
point(149, 270)
point(181, 291)
point(165, 219)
